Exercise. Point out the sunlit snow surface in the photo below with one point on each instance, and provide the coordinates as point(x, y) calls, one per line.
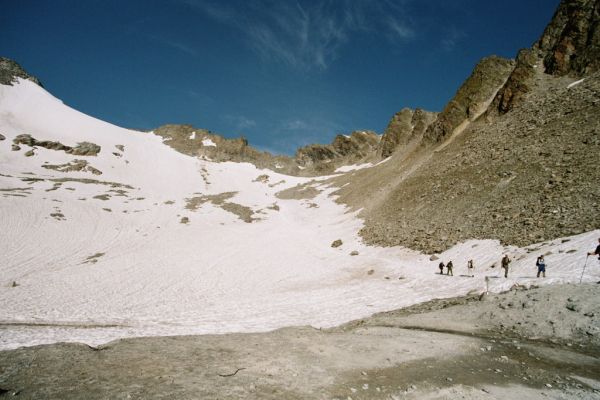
point(215, 274)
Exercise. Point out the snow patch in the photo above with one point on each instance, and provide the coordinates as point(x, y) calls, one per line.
point(354, 167)
point(384, 160)
point(208, 142)
point(193, 135)
point(575, 83)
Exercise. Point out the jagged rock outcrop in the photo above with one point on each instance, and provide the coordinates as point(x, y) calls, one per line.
point(522, 177)
point(344, 150)
point(203, 143)
point(405, 126)
point(518, 83)
point(471, 99)
point(527, 177)
point(309, 160)
point(10, 71)
point(570, 44)
point(81, 149)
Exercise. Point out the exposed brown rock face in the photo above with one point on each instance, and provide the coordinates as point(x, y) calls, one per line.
point(518, 83)
point(472, 98)
point(404, 127)
point(10, 71)
point(524, 176)
point(570, 44)
point(344, 150)
point(309, 160)
point(200, 142)
point(527, 177)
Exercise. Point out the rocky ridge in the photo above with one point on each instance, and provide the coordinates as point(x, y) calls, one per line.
point(310, 160)
point(528, 176)
point(570, 45)
point(405, 126)
point(471, 99)
point(344, 150)
point(522, 174)
point(10, 70)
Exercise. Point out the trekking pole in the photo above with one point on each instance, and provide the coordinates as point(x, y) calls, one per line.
point(584, 265)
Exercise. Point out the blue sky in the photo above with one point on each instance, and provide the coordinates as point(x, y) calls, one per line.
point(282, 73)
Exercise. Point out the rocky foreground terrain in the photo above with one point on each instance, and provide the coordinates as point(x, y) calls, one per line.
point(530, 343)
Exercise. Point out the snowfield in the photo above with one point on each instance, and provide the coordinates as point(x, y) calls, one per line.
point(166, 244)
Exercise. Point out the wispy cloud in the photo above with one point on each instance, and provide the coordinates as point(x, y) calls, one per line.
point(239, 122)
point(452, 37)
point(294, 125)
point(174, 44)
point(309, 36)
point(400, 29)
point(140, 26)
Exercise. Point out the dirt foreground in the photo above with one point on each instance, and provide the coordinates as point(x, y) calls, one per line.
point(539, 343)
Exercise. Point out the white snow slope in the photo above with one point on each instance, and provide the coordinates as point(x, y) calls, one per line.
point(215, 274)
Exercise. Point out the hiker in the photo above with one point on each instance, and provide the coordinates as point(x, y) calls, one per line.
point(449, 266)
point(541, 265)
point(597, 251)
point(441, 267)
point(470, 268)
point(505, 262)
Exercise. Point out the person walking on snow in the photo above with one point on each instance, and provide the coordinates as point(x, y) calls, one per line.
point(541, 265)
point(449, 266)
point(505, 262)
point(597, 251)
point(441, 267)
point(470, 268)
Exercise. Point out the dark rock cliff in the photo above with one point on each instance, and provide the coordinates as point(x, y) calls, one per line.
point(570, 44)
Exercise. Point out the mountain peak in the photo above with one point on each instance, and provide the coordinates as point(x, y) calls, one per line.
point(570, 43)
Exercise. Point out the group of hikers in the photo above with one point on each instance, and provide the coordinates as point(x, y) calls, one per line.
point(540, 263)
point(449, 267)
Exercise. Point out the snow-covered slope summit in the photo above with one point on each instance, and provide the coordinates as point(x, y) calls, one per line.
point(142, 240)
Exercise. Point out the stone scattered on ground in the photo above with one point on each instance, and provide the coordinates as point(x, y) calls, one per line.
point(81, 149)
point(336, 243)
point(93, 259)
point(73, 166)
